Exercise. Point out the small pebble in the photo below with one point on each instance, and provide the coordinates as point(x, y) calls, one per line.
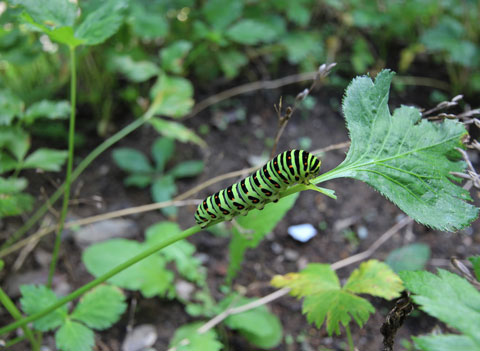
point(362, 232)
point(302, 232)
point(291, 255)
point(140, 338)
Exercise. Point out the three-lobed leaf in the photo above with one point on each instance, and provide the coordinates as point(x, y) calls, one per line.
point(162, 151)
point(327, 302)
point(407, 159)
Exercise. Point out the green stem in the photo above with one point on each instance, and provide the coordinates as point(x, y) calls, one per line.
point(68, 178)
point(76, 173)
point(13, 310)
point(15, 341)
point(80, 291)
point(351, 346)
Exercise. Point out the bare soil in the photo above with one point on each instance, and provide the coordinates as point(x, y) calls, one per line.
point(357, 206)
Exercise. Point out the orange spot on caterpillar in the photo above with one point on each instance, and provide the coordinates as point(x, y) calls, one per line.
point(290, 166)
point(279, 172)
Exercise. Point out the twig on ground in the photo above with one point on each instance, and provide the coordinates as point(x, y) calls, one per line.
point(177, 201)
point(322, 73)
point(284, 291)
point(443, 105)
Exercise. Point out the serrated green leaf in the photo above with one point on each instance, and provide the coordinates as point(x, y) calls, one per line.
point(101, 24)
point(73, 336)
point(314, 278)
point(448, 297)
point(173, 55)
point(135, 71)
point(259, 326)
point(180, 252)
point(197, 342)
point(46, 159)
point(257, 224)
point(101, 307)
point(335, 307)
point(47, 109)
point(172, 96)
point(411, 257)
point(251, 32)
point(176, 131)
point(131, 160)
point(475, 260)
point(15, 140)
point(149, 275)
point(448, 342)
point(374, 278)
point(34, 299)
point(187, 169)
point(10, 107)
point(220, 13)
point(54, 13)
point(162, 151)
point(407, 159)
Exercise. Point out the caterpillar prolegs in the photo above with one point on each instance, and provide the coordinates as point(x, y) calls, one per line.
point(260, 188)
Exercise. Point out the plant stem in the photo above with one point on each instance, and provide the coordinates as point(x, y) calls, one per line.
point(351, 347)
point(168, 240)
point(13, 310)
point(68, 178)
point(76, 173)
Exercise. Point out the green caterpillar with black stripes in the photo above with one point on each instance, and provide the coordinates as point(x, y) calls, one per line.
point(260, 188)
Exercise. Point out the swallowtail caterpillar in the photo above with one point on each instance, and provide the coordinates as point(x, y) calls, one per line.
point(260, 188)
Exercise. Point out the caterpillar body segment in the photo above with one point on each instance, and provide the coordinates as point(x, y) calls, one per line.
point(261, 187)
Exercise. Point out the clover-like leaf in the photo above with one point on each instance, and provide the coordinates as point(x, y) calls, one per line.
point(407, 159)
point(34, 299)
point(101, 307)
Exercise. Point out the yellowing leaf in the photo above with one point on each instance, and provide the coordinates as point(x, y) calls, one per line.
point(314, 278)
point(375, 278)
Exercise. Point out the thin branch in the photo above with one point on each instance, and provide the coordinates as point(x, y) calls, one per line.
point(284, 291)
point(177, 201)
point(322, 72)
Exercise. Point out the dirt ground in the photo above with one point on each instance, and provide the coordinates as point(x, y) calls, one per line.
point(358, 206)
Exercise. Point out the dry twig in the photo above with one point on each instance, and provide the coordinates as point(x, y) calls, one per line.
point(284, 291)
